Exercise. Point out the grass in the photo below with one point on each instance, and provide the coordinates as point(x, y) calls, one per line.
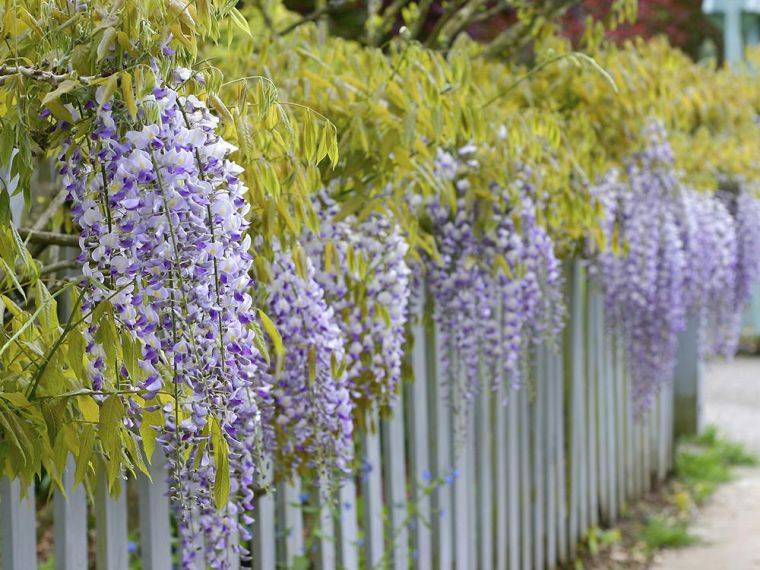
point(661, 520)
point(666, 532)
point(702, 463)
point(705, 461)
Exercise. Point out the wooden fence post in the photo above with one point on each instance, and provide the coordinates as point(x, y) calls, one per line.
point(441, 428)
point(19, 529)
point(418, 425)
point(688, 382)
point(372, 491)
point(110, 525)
point(154, 515)
point(70, 523)
point(264, 542)
point(394, 457)
point(348, 524)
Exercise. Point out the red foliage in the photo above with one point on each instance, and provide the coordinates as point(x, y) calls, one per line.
point(681, 20)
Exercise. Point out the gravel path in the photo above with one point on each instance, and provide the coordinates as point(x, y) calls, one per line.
point(729, 525)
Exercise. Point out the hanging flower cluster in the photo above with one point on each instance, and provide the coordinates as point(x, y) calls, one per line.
point(645, 287)
point(681, 255)
point(711, 253)
point(361, 266)
point(494, 290)
point(744, 210)
point(163, 235)
point(308, 418)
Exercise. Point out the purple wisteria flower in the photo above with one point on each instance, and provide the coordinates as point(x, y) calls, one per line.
point(744, 209)
point(163, 235)
point(495, 290)
point(680, 255)
point(362, 268)
point(645, 287)
point(309, 422)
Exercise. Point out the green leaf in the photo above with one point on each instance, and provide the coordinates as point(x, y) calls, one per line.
point(150, 421)
point(29, 321)
point(109, 428)
point(111, 415)
point(274, 335)
point(104, 47)
point(222, 462)
point(63, 88)
point(109, 88)
point(87, 439)
point(128, 94)
point(240, 21)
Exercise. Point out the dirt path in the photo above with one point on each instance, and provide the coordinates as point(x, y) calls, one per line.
point(729, 525)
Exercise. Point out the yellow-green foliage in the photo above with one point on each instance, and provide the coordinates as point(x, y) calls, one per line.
point(391, 109)
point(709, 113)
point(568, 117)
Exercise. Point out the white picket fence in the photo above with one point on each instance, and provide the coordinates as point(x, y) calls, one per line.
point(533, 477)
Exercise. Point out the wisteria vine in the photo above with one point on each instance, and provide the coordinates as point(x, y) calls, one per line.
point(309, 420)
point(362, 268)
point(674, 253)
point(494, 290)
point(163, 236)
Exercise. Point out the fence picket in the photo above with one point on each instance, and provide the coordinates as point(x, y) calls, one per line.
point(560, 473)
point(327, 537)
point(472, 477)
point(500, 472)
point(461, 514)
point(538, 448)
point(552, 443)
point(441, 438)
point(292, 518)
point(513, 479)
point(70, 523)
point(264, 542)
point(646, 444)
point(602, 411)
point(110, 526)
point(394, 457)
point(372, 491)
point(485, 479)
point(578, 513)
point(417, 406)
point(611, 424)
point(592, 383)
point(620, 425)
point(154, 516)
point(348, 525)
point(630, 429)
point(526, 495)
point(19, 526)
point(465, 535)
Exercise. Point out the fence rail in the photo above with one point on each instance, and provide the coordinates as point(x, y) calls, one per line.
point(529, 481)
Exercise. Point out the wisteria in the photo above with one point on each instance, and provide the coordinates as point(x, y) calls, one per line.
point(711, 251)
point(744, 209)
point(362, 268)
point(309, 423)
point(494, 291)
point(674, 253)
point(163, 236)
point(644, 287)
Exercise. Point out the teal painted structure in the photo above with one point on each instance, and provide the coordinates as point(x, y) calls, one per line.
point(740, 21)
